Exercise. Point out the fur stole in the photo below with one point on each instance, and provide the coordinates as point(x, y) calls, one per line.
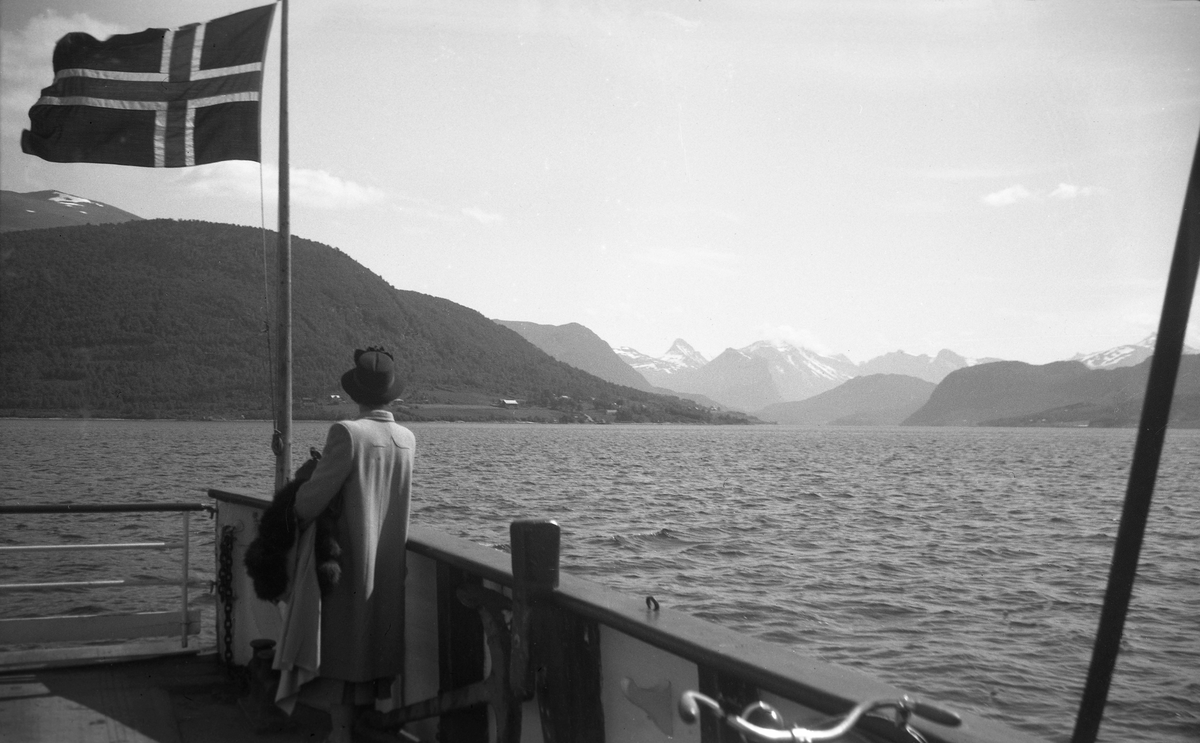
point(266, 557)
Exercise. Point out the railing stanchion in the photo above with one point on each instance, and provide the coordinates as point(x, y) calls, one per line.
point(183, 582)
point(105, 625)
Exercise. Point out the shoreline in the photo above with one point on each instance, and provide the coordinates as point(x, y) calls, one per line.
point(533, 420)
point(431, 413)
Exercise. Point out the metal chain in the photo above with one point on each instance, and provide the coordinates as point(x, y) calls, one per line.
point(225, 589)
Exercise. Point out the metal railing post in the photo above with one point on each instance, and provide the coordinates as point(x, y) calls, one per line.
point(107, 626)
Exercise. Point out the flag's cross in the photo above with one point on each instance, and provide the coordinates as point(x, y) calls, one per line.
point(174, 93)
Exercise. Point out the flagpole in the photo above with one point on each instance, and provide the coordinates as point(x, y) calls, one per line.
point(283, 406)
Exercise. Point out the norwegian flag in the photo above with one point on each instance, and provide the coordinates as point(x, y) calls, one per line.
point(160, 98)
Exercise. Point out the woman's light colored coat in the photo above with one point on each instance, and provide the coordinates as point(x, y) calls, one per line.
point(368, 462)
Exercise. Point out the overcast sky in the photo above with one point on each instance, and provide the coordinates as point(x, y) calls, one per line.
point(1002, 179)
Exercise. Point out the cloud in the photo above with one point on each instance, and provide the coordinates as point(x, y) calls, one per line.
point(798, 337)
point(483, 217)
point(1068, 191)
point(313, 189)
point(1008, 196)
point(26, 58)
point(322, 190)
point(1063, 191)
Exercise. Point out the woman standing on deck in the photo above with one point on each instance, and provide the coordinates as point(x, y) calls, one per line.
point(365, 474)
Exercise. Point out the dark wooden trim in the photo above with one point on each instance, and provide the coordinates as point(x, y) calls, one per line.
point(733, 693)
point(821, 686)
point(566, 659)
point(460, 654)
point(489, 564)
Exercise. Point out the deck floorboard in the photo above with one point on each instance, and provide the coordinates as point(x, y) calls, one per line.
point(182, 699)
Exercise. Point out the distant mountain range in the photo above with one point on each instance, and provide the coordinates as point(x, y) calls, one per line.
point(784, 384)
point(922, 367)
point(581, 348)
point(39, 209)
point(766, 373)
point(98, 320)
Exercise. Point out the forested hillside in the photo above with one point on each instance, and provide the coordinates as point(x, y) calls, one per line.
point(1062, 393)
point(168, 318)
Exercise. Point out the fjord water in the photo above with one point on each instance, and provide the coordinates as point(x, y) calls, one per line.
point(964, 564)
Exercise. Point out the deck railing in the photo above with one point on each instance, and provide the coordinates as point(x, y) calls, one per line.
point(113, 625)
point(599, 659)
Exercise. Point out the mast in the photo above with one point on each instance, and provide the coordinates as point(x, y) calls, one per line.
point(1156, 411)
point(282, 441)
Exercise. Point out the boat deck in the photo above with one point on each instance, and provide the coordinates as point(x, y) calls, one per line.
point(186, 698)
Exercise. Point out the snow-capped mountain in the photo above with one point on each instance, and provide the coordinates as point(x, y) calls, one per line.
point(1128, 355)
point(684, 356)
point(799, 373)
point(28, 211)
point(768, 372)
point(748, 378)
point(663, 370)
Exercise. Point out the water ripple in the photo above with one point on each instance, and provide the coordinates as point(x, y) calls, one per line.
point(965, 564)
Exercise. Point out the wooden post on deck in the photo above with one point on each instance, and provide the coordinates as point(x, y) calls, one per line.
point(535, 545)
point(555, 654)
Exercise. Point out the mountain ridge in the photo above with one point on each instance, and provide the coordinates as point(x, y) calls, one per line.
point(578, 346)
point(41, 209)
point(868, 400)
point(1061, 393)
point(765, 373)
point(1130, 354)
point(661, 371)
point(797, 374)
point(756, 377)
point(161, 318)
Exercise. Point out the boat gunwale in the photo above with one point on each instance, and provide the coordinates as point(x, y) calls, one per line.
point(820, 685)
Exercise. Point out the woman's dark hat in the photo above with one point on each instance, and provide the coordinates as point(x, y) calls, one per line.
point(373, 379)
